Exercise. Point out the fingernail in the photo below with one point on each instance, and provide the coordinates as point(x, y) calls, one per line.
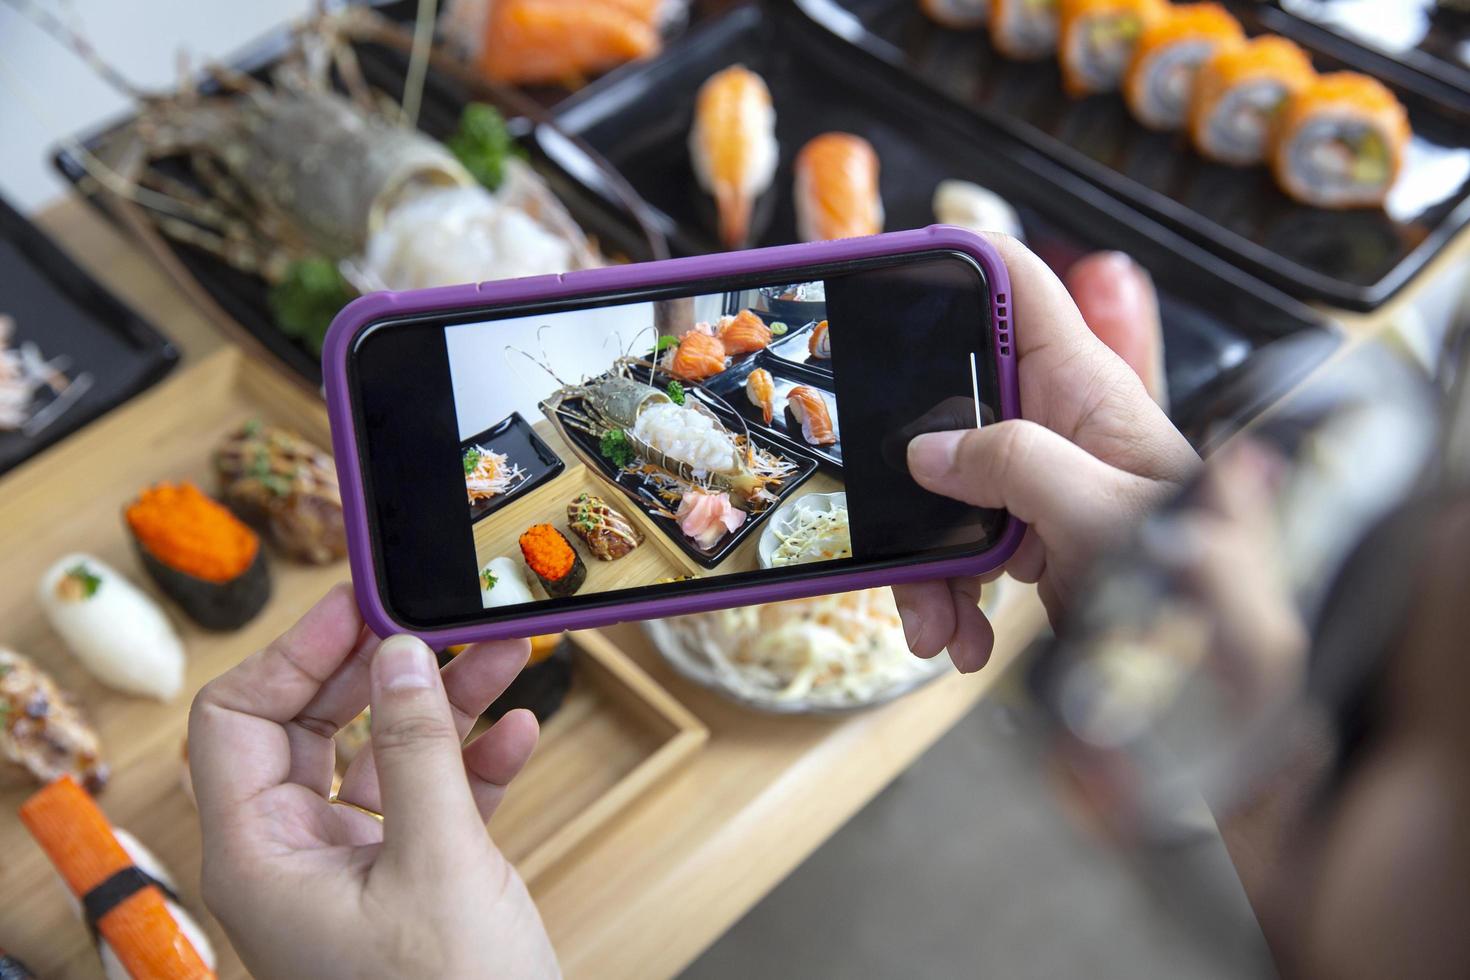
point(932, 454)
point(403, 663)
point(912, 627)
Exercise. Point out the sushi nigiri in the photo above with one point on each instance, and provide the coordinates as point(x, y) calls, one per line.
point(608, 534)
point(1097, 41)
point(819, 344)
point(809, 408)
point(561, 41)
point(501, 584)
point(143, 932)
point(42, 729)
point(200, 554)
point(1024, 29)
point(553, 560)
point(1119, 302)
point(1239, 93)
point(117, 632)
point(837, 188)
point(277, 480)
point(698, 356)
point(744, 332)
point(1340, 142)
point(962, 15)
point(1160, 78)
point(760, 388)
point(707, 517)
point(967, 205)
point(733, 146)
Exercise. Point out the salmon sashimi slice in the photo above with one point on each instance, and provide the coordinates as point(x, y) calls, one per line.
point(697, 357)
point(561, 41)
point(837, 188)
point(810, 409)
point(733, 146)
point(744, 332)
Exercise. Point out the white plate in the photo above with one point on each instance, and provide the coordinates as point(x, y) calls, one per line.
point(786, 516)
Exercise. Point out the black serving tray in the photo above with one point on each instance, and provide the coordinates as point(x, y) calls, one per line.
point(637, 490)
point(243, 296)
point(1214, 314)
point(794, 350)
point(1352, 259)
point(730, 385)
point(514, 437)
point(64, 311)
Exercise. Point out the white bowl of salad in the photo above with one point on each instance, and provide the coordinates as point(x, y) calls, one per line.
point(809, 528)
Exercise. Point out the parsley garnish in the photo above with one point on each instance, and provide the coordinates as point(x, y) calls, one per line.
point(487, 580)
point(664, 343)
point(676, 393)
point(615, 446)
point(471, 460)
point(89, 581)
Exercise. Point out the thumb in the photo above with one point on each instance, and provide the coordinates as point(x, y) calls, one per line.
point(417, 751)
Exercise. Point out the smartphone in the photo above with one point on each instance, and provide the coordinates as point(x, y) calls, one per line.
point(569, 451)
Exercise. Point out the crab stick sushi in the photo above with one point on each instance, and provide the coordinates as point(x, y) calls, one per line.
point(1097, 38)
point(1340, 142)
point(201, 555)
point(733, 147)
point(962, 15)
point(1024, 29)
point(837, 188)
point(553, 560)
point(1238, 94)
point(1160, 77)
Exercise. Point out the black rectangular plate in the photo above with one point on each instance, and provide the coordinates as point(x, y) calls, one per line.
point(794, 349)
point(64, 311)
point(730, 385)
point(638, 491)
point(1214, 315)
point(1353, 259)
point(514, 436)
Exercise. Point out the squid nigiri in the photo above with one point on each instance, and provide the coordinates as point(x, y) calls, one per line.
point(819, 345)
point(697, 357)
point(837, 188)
point(733, 146)
point(744, 332)
point(760, 388)
point(1120, 304)
point(810, 410)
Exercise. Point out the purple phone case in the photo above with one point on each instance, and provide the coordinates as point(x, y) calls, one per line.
point(379, 306)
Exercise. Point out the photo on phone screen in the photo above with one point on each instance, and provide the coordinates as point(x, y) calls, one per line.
point(643, 446)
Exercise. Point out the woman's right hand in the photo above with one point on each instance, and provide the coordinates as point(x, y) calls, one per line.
point(1090, 456)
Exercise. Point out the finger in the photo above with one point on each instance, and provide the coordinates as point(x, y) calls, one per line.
point(1118, 302)
point(340, 699)
point(1029, 561)
point(421, 775)
point(974, 637)
point(1047, 319)
point(237, 743)
point(497, 756)
point(473, 680)
point(927, 612)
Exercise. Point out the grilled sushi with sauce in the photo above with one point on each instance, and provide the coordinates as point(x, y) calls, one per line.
point(733, 147)
point(760, 388)
point(962, 15)
point(276, 480)
point(1238, 95)
point(554, 561)
point(1097, 40)
point(1340, 142)
point(744, 333)
point(809, 409)
point(41, 728)
point(837, 188)
point(608, 534)
point(1024, 30)
point(819, 344)
point(1160, 78)
point(698, 356)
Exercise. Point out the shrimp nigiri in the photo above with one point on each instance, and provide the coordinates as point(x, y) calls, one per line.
point(808, 408)
point(819, 345)
point(733, 146)
point(760, 388)
point(698, 356)
point(837, 188)
point(744, 332)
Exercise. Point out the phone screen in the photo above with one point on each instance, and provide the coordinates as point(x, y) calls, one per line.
point(637, 446)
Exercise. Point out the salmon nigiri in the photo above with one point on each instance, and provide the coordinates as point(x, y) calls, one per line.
point(733, 146)
point(809, 409)
point(744, 332)
point(561, 41)
point(819, 345)
point(1118, 300)
point(837, 188)
point(760, 388)
point(698, 356)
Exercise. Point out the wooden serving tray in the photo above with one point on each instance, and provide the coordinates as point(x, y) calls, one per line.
point(615, 736)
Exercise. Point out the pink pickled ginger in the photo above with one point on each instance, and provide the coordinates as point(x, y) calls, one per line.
point(708, 517)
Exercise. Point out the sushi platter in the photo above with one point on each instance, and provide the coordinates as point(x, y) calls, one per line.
point(513, 445)
point(1215, 317)
point(1355, 258)
point(118, 712)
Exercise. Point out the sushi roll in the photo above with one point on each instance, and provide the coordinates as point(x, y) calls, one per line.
point(41, 728)
point(117, 632)
point(200, 555)
point(122, 889)
point(502, 584)
point(607, 533)
point(819, 344)
point(837, 188)
point(1340, 142)
point(1024, 30)
point(1160, 77)
point(1238, 94)
point(733, 147)
point(1097, 41)
point(278, 481)
point(553, 559)
point(542, 685)
point(962, 15)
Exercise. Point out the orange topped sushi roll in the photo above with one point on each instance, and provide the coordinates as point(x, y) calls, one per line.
point(1097, 41)
point(837, 188)
point(1239, 92)
point(1340, 142)
point(733, 146)
point(562, 41)
point(1160, 78)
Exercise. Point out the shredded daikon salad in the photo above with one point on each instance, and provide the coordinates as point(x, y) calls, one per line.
point(813, 536)
point(488, 473)
point(830, 651)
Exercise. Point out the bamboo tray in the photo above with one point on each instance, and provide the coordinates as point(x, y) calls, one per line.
point(616, 735)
